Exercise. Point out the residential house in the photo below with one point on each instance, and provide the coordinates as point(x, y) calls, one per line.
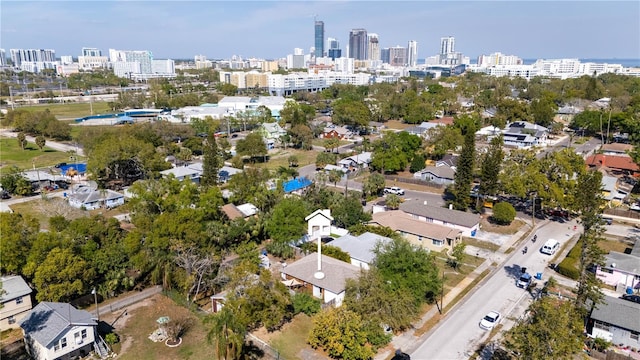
point(617, 321)
point(360, 248)
point(356, 162)
point(296, 185)
point(271, 131)
point(420, 233)
point(60, 331)
point(621, 270)
point(466, 222)
point(319, 223)
point(193, 172)
point(618, 165)
point(339, 132)
point(566, 114)
point(15, 301)
point(441, 175)
point(616, 149)
point(241, 211)
point(610, 191)
point(523, 134)
point(91, 199)
point(330, 288)
point(418, 130)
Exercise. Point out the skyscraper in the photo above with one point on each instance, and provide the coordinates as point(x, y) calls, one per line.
point(334, 51)
point(397, 56)
point(447, 45)
point(319, 38)
point(412, 53)
point(373, 47)
point(358, 44)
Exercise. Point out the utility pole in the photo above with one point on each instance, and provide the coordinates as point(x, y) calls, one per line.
point(11, 97)
point(533, 210)
point(609, 123)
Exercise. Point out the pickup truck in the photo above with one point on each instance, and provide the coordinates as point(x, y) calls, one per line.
point(393, 190)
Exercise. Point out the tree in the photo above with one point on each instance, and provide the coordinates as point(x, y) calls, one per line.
point(335, 175)
point(252, 146)
point(18, 232)
point(457, 255)
point(324, 158)
point(305, 303)
point(285, 224)
point(293, 161)
point(40, 141)
point(373, 185)
point(61, 276)
point(543, 109)
point(589, 199)
point(351, 112)
point(464, 172)
point(371, 297)
point(552, 331)
point(228, 89)
point(348, 211)
point(22, 140)
point(393, 201)
point(339, 332)
point(409, 268)
point(490, 168)
point(331, 143)
point(503, 213)
point(226, 333)
point(212, 161)
point(301, 136)
point(14, 182)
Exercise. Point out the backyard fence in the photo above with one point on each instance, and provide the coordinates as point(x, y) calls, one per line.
point(268, 351)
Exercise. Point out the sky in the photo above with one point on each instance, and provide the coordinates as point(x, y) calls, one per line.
point(272, 29)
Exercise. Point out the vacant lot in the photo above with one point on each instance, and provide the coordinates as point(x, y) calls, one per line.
point(31, 156)
point(45, 208)
point(134, 330)
point(71, 110)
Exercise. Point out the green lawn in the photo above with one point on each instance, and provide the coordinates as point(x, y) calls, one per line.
point(293, 337)
point(280, 157)
point(71, 110)
point(11, 154)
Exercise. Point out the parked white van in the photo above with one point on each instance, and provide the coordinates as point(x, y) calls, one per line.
point(550, 247)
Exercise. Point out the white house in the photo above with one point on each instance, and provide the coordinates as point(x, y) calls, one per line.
point(331, 287)
point(466, 222)
point(355, 162)
point(319, 223)
point(442, 174)
point(621, 270)
point(60, 331)
point(616, 320)
point(16, 301)
point(360, 248)
point(93, 199)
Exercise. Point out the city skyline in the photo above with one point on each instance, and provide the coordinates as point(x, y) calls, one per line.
point(272, 29)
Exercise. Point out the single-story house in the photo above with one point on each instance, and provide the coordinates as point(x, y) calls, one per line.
point(616, 320)
point(339, 132)
point(610, 191)
point(616, 149)
point(356, 162)
point(93, 199)
point(193, 172)
point(466, 222)
point(296, 185)
point(331, 287)
point(621, 270)
point(443, 175)
point(241, 211)
point(617, 164)
point(15, 299)
point(60, 331)
point(360, 248)
point(418, 130)
point(420, 233)
point(271, 131)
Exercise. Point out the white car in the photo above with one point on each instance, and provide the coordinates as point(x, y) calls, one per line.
point(490, 320)
point(393, 190)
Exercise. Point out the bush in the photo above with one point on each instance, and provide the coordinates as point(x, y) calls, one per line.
point(305, 303)
point(503, 213)
point(575, 251)
point(567, 268)
point(111, 338)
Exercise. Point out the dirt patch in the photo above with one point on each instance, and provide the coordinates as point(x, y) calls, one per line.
point(510, 229)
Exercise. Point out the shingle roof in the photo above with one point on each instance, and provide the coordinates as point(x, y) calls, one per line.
point(360, 247)
point(13, 287)
point(400, 221)
point(48, 320)
point(336, 272)
point(95, 195)
point(617, 147)
point(438, 213)
point(626, 262)
point(613, 162)
point(443, 172)
point(231, 211)
point(618, 312)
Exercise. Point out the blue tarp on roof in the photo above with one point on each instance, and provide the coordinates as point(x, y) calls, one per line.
point(296, 184)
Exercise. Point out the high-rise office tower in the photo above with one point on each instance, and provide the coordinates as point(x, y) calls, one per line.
point(86, 51)
point(447, 45)
point(334, 51)
point(398, 56)
point(319, 38)
point(412, 53)
point(373, 47)
point(358, 44)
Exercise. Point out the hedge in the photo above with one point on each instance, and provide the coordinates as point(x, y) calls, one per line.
point(568, 268)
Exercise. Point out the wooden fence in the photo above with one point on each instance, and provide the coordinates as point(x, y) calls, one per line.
point(623, 213)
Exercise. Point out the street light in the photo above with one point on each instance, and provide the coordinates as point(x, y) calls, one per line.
point(95, 296)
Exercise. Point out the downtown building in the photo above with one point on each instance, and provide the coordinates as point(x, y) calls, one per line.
point(319, 39)
point(139, 65)
point(33, 60)
point(334, 51)
point(358, 44)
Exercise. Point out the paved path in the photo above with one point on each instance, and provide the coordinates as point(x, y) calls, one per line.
point(52, 144)
point(127, 300)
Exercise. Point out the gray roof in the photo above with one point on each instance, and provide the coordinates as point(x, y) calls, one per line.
point(438, 213)
point(628, 263)
point(90, 196)
point(336, 272)
point(618, 312)
point(443, 171)
point(361, 247)
point(47, 321)
point(13, 287)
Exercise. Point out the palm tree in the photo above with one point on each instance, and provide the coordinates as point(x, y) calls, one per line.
point(226, 334)
point(335, 176)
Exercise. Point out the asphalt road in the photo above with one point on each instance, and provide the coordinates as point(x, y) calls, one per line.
point(458, 336)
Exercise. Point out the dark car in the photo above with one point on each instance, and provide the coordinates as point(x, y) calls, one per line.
point(5, 195)
point(62, 184)
point(634, 298)
point(59, 165)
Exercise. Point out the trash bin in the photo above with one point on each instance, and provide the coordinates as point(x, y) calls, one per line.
point(629, 290)
point(64, 194)
point(539, 276)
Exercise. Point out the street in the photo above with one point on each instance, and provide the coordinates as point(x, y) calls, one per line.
point(458, 335)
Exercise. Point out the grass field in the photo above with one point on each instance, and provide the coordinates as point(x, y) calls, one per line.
point(280, 157)
point(44, 208)
point(71, 110)
point(12, 154)
point(293, 337)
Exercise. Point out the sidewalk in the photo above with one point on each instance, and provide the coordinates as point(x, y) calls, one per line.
point(131, 298)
